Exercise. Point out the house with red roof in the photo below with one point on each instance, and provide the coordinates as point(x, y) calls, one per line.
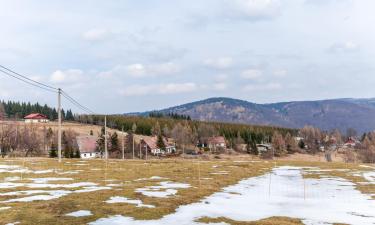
point(36, 118)
point(149, 144)
point(87, 147)
point(216, 142)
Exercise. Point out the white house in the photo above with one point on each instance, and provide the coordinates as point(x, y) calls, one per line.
point(263, 148)
point(150, 144)
point(36, 118)
point(87, 147)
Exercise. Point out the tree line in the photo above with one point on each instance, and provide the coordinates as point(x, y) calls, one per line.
point(171, 115)
point(18, 110)
point(30, 140)
point(191, 132)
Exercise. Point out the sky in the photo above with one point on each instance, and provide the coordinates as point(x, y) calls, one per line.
point(128, 56)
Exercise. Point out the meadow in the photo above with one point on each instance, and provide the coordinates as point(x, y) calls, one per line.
point(43, 191)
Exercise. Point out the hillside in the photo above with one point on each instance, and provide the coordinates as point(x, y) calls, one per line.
point(325, 114)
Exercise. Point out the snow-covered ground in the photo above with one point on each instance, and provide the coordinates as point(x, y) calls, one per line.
point(283, 192)
point(163, 190)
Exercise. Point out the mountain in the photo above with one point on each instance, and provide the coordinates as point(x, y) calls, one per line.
point(325, 114)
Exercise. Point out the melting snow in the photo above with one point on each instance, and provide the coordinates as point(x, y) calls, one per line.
point(315, 201)
point(369, 176)
point(152, 178)
point(118, 199)
point(80, 213)
point(48, 179)
point(164, 190)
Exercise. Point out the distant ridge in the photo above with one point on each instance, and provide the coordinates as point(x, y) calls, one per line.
point(326, 114)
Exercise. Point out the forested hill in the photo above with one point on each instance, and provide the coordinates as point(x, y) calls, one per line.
point(343, 114)
point(18, 110)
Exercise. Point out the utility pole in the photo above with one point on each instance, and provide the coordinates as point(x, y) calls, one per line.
point(133, 145)
point(123, 143)
point(105, 138)
point(140, 149)
point(146, 152)
point(59, 121)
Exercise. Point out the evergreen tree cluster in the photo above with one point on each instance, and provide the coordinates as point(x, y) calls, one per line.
point(171, 115)
point(19, 110)
point(250, 134)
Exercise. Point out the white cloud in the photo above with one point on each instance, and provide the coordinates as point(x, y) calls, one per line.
point(67, 76)
point(220, 86)
point(280, 73)
point(96, 34)
point(219, 63)
point(158, 89)
point(347, 46)
point(139, 70)
point(255, 9)
point(263, 87)
point(252, 74)
point(136, 70)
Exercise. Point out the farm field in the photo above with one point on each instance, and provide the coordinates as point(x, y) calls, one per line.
point(230, 191)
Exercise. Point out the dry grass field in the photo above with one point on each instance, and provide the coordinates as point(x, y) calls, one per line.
point(42, 191)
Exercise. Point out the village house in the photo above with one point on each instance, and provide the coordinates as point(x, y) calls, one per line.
point(36, 118)
point(87, 147)
point(149, 144)
point(350, 143)
point(262, 148)
point(216, 142)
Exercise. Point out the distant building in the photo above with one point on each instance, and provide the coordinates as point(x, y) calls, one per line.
point(216, 142)
point(350, 143)
point(87, 147)
point(36, 118)
point(262, 148)
point(149, 144)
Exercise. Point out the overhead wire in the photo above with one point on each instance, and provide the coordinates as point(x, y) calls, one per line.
point(43, 86)
point(26, 81)
point(26, 78)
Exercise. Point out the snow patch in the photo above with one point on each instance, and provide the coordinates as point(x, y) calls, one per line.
point(290, 195)
point(80, 213)
point(118, 199)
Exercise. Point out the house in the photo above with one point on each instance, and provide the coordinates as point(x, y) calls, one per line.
point(350, 143)
point(36, 118)
point(149, 144)
point(263, 148)
point(87, 147)
point(216, 142)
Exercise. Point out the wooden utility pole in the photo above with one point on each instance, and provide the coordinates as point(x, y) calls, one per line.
point(123, 143)
point(133, 145)
point(140, 149)
point(146, 152)
point(59, 121)
point(105, 138)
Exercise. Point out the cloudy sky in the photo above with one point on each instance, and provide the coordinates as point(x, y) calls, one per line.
point(125, 56)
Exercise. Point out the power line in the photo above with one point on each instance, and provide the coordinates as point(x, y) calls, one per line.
point(27, 81)
point(43, 86)
point(76, 103)
point(31, 80)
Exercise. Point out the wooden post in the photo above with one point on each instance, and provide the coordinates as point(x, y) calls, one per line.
point(123, 143)
point(59, 121)
point(105, 138)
